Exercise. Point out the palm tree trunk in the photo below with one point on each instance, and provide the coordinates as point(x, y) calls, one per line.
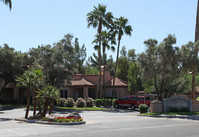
point(99, 31)
point(51, 107)
point(118, 49)
point(45, 107)
point(28, 102)
point(196, 53)
point(35, 104)
point(104, 86)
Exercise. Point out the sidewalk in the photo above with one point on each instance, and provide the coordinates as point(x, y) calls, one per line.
point(192, 117)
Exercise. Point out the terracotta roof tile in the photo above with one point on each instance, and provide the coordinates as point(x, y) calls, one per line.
point(118, 83)
point(81, 82)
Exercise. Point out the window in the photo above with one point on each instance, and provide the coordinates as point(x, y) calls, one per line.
point(63, 94)
point(134, 98)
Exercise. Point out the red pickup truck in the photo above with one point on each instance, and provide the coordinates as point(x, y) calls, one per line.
point(131, 101)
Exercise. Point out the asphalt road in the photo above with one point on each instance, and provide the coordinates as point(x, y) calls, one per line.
point(122, 123)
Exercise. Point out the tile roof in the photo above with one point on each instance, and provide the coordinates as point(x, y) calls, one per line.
point(118, 83)
point(81, 82)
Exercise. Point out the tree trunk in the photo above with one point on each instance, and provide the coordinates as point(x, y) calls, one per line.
point(104, 84)
point(34, 104)
point(196, 53)
point(100, 63)
point(51, 107)
point(39, 106)
point(28, 102)
point(3, 88)
point(46, 107)
point(118, 49)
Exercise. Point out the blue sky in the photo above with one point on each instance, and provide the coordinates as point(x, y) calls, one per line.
point(34, 22)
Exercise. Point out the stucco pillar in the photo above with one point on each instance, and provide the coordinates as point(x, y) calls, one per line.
point(85, 92)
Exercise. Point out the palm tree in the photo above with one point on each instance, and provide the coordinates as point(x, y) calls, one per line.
point(32, 79)
point(196, 53)
point(106, 37)
point(98, 18)
point(48, 95)
point(120, 27)
point(8, 2)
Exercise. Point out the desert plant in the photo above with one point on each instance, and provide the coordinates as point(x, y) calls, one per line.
point(89, 102)
point(70, 102)
point(143, 108)
point(80, 102)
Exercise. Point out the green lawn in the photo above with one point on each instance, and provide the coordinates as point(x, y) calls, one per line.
point(78, 108)
point(68, 108)
point(171, 113)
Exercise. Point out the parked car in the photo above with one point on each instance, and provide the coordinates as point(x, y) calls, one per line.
point(131, 102)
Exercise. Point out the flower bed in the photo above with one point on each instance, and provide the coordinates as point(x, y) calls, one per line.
point(72, 117)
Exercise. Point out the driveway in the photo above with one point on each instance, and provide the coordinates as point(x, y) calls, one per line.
point(120, 123)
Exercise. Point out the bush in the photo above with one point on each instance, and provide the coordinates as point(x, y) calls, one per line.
point(98, 102)
point(63, 102)
point(179, 109)
point(90, 102)
point(106, 102)
point(143, 108)
point(113, 102)
point(70, 102)
point(80, 102)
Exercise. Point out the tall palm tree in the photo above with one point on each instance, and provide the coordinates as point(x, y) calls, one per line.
point(196, 52)
point(7, 2)
point(98, 18)
point(120, 27)
point(106, 37)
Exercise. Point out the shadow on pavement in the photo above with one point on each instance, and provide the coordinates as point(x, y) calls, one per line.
point(5, 119)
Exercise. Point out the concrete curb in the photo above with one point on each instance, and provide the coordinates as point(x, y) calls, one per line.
point(48, 123)
point(194, 117)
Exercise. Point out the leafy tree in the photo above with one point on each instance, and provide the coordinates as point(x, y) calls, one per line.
point(13, 65)
point(120, 27)
point(98, 18)
point(134, 78)
point(123, 51)
point(80, 56)
point(161, 66)
point(8, 2)
point(122, 68)
point(132, 55)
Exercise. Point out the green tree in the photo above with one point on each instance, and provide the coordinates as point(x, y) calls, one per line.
point(32, 79)
point(80, 56)
point(161, 65)
point(120, 27)
point(122, 68)
point(134, 78)
point(132, 55)
point(8, 2)
point(13, 65)
point(98, 18)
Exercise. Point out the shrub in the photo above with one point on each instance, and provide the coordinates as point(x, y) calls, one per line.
point(106, 102)
point(70, 102)
point(80, 102)
point(90, 102)
point(98, 102)
point(62, 102)
point(143, 108)
point(172, 109)
point(113, 102)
